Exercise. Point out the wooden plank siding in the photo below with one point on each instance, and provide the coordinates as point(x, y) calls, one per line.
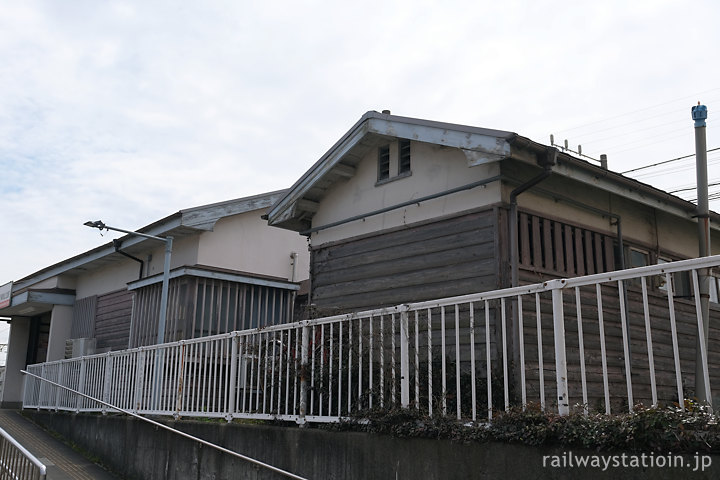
point(555, 249)
point(112, 320)
point(83, 325)
point(686, 323)
point(449, 257)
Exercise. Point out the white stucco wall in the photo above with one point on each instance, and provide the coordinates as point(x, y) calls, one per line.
point(434, 169)
point(60, 328)
point(109, 279)
point(17, 353)
point(246, 243)
point(184, 252)
point(115, 276)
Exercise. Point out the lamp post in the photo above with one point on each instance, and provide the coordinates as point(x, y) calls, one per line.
point(166, 269)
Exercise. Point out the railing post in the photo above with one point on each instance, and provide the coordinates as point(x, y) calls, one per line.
point(107, 381)
point(560, 355)
point(404, 358)
point(57, 395)
point(41, 391)
point(81, 383)
point(232, 395)
point(304, 357)
point(139, 379)
point(181, 379)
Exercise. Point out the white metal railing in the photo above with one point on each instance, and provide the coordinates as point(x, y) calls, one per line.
point(605, 341)
point(156, 424)
point(16, 462)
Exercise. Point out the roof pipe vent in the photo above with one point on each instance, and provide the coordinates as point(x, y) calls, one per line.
point(386, 112)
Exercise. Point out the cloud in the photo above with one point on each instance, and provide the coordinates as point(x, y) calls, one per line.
point(129, 111)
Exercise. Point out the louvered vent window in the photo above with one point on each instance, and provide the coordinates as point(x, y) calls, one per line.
point(384, 162)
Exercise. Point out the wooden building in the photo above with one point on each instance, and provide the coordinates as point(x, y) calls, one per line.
point(229, 271)
point(402, 210)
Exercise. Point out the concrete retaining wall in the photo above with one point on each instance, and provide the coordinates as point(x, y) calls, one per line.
point(138, 450)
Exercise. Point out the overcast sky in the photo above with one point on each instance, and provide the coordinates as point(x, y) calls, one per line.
point(128, 111)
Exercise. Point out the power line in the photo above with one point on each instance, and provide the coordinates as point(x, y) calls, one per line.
point(641, 122)
point(665, 161)
point(714, 184)
point(639, 110)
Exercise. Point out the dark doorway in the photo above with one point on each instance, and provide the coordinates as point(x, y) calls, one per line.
point(39, 339)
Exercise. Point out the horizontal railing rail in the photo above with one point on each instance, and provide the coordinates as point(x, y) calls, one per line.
point(16, 462)
point(603, 342)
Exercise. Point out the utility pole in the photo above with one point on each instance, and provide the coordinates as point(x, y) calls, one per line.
point(699, 115)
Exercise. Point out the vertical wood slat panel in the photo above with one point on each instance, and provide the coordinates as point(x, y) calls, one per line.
point(599, 263)
point(524, 240)
point(565, 249)
point(548, 262)
point(569, 257)
point(589, 257)
point(579, 257)
point(208, 307)
point(242, 318)
point(558, 247)
point(537, 245)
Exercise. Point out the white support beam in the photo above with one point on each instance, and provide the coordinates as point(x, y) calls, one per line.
point(306, 205)
point(343, 170)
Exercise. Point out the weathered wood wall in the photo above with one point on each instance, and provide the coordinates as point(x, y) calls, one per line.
point(453, 256)
point(662, 349)
point(84, 310)
point(112, 320)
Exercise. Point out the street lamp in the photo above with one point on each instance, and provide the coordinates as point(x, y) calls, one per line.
point(166, 269)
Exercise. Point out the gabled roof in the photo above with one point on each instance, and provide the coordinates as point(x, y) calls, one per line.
point(191, 221)
point(296, 208)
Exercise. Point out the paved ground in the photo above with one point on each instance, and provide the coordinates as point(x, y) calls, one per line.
point(62, 462)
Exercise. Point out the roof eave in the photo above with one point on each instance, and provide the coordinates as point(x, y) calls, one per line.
point(480, 145)
point(201, 218)
point(527, 150)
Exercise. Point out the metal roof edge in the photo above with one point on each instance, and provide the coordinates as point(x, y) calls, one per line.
point(196, 271)
point(357, 131)
point(156, 228)
point(296, 190)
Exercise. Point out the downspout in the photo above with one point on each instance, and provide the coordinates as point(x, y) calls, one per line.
point(547, 163)
point(118, 244)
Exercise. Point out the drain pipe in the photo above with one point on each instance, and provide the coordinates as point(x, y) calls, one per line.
point(550, 159)
point(117, 243)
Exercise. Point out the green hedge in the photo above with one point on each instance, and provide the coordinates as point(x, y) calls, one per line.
point(692, 430)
